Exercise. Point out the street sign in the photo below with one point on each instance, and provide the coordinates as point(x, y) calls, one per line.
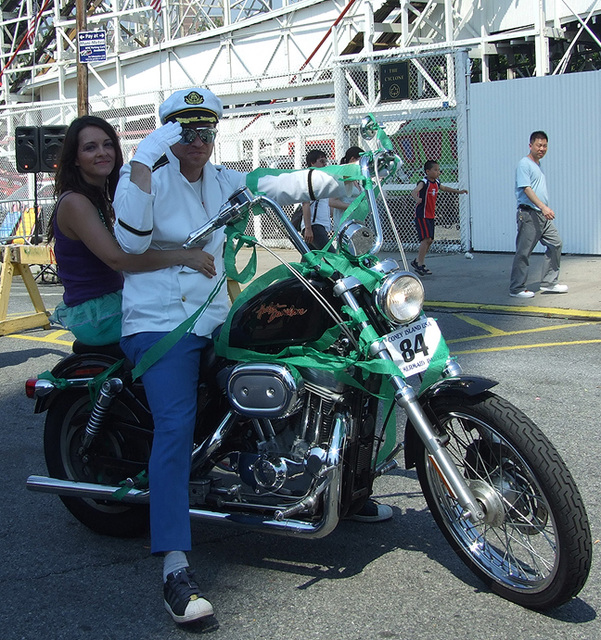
point(92, 46)
point(394, 81)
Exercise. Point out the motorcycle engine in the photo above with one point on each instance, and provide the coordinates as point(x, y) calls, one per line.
point(290, 415)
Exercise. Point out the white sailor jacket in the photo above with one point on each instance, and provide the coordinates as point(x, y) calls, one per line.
point(161, 300)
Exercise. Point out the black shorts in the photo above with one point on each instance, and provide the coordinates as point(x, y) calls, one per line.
point(425, 228)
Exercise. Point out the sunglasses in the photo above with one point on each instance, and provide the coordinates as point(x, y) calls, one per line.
point(206, 135)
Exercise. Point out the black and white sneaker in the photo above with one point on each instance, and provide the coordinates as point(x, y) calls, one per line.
point(373, 511)
point(183, 598)
point(421, 269)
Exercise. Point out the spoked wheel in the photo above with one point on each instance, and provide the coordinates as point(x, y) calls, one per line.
point(534, 547)
point(121, 450)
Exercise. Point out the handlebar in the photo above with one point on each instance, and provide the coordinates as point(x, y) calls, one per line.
point(238, 204)
point(382, 164)
point(374, 166)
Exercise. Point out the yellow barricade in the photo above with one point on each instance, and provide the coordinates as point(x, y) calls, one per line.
point(15, 261)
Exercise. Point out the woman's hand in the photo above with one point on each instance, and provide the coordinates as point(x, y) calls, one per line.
point(200, 261)
point(308, 234)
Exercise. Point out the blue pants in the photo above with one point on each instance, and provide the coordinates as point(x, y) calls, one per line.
point(171, 385)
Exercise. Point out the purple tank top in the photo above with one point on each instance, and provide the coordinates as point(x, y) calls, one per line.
point(83, 275)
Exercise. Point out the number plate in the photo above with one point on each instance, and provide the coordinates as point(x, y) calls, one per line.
point(412, 347)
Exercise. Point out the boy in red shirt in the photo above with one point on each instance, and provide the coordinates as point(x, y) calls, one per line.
point(425, 194)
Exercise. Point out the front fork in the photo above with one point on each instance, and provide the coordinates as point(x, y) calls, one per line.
point(406, 398)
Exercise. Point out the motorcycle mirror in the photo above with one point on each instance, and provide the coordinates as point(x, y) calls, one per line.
point(231, 211)
point(356, 240)
point(368, 128)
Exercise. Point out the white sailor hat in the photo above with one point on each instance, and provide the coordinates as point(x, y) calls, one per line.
point(192, 106)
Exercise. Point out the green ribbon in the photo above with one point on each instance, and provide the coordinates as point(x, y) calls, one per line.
point(342, 172)
point(436, 365)
point(159, 349)
point(139, 482)
point(303, 356)
point(58, 383)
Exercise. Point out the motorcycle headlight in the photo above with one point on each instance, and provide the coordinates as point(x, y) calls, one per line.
point(400, 297)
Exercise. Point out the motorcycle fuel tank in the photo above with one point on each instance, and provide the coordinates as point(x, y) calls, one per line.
point(281, 315)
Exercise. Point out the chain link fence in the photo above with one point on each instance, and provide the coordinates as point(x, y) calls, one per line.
point(422, 126)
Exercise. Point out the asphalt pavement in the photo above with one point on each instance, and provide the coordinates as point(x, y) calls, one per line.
point(398, 579)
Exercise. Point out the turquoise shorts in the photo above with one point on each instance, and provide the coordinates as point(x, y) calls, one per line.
point(95, 322)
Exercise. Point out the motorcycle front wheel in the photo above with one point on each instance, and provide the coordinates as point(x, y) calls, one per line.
point(534, 547)
point(119, 451)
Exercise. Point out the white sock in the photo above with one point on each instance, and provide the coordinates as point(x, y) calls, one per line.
point(173, 561)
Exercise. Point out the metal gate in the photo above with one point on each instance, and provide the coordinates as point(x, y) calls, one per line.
point(427, 124)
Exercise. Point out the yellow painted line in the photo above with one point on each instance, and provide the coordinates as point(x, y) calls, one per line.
point(49, 338)
point(547, 311)
point(57, 334)
point(525, 346)
point(490, 330)
point(520, 332)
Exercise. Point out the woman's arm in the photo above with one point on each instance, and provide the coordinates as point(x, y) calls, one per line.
point(308, 232)
point(78, 219)
point(337, 203)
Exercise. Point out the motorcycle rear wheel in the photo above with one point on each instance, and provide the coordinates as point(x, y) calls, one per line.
point(119, 451)
point(534, 548)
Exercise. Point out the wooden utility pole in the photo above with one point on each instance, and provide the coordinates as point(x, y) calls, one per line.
point(82, 67)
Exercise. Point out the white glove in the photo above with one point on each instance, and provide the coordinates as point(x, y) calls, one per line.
point(156, 143)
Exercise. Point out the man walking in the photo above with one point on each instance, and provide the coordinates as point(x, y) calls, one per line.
point(535, 223)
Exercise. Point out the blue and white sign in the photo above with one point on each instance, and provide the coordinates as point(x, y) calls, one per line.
point(92, 46)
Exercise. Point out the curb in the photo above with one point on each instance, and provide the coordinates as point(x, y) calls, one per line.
point(548, 312)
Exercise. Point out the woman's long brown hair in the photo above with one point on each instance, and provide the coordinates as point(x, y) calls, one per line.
point(69, 178)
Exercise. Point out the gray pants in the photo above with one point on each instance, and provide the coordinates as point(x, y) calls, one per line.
point(533, 227)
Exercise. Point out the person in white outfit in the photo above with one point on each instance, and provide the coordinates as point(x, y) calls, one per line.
point(170, 189)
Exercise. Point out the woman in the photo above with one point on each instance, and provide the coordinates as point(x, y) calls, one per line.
point(88, 257)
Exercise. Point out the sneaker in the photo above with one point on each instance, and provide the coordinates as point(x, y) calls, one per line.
point(556, 288)
point(523, 294)
point(373, 511)
point(421, 269)
point(183, 598)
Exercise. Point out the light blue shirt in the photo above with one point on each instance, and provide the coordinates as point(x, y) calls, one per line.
point(529, 174)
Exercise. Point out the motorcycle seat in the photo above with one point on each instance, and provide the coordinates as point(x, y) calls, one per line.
point(111, 350)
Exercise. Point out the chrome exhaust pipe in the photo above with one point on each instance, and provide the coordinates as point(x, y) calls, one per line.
point(330, 487)
point(289, 527)
point(89, 490)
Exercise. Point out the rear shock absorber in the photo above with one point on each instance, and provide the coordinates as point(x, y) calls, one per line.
point(109, 389)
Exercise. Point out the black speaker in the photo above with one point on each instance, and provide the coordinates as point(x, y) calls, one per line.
point(51, 144)
point(27, 149)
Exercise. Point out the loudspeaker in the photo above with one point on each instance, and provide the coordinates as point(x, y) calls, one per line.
point(27, 149)
point(51, 144)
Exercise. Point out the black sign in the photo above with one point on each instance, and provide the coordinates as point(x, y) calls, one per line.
point(394, 81)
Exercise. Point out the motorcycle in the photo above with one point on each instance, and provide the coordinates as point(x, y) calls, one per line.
point(297, 411)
